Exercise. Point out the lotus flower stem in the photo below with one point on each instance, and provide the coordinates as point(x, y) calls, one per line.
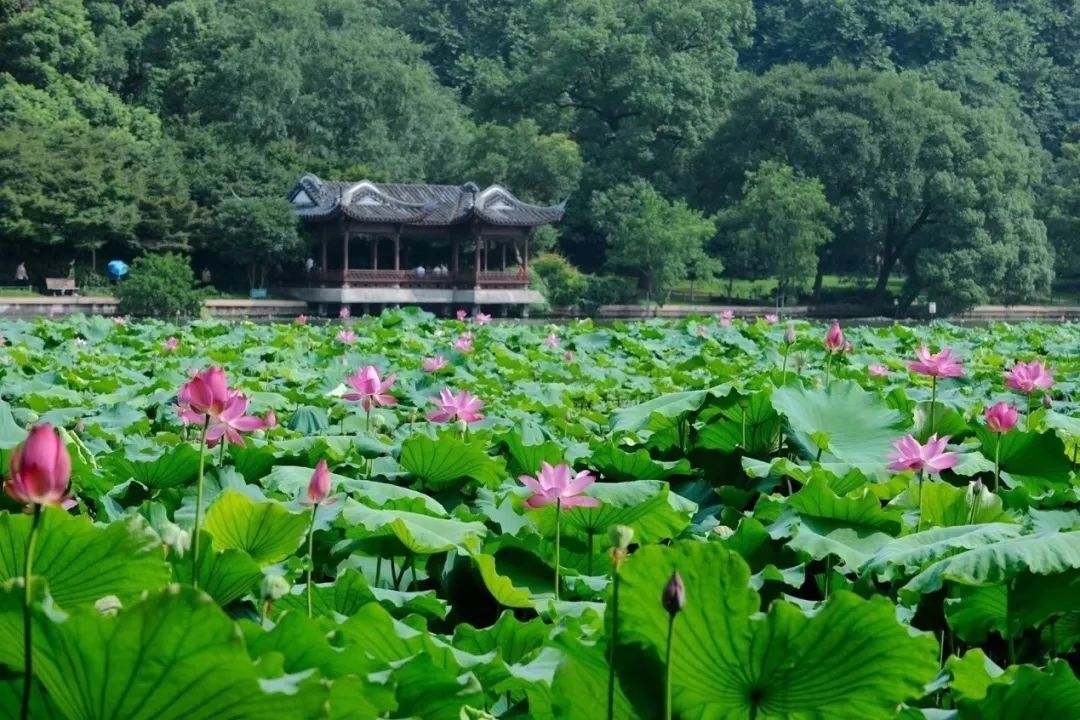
point(997, 462)
point(412, 566)
point(588, 562)
point(783, 366)
point(933, 401)
point(558, 538)
point(367, 424)
point(828, 370)
point(828, 574)
point(311, 557)
point(919, 526)
point(393, 572)
point(198, 505)
point(613, 642)
point(221, 454)
point(28, 644)
point(378, 571)
point(667, 667)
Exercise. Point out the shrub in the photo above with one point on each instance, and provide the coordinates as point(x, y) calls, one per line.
point(609, 290)
point(160, 286)
point(565, 285)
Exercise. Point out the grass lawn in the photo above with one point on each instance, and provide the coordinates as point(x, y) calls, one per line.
point(764, 290)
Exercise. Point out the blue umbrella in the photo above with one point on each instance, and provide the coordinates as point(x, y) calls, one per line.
point(117, 268)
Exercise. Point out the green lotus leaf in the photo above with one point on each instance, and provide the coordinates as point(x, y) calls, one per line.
point(908, 555)
point(396, 532)
point(266, 531)
point(350, 591)
point(225, 576)
point(173, 656)
point(1042, 554)
point(1025, 692)
point(448, 462)
point(616, 464)
point(292, 481)
point(849, 423)
point(670, 406)
point(945, 505)
point(1008, 609)
point(173, 468)
point(82, 562)
point(730, 661)
point(647, 506)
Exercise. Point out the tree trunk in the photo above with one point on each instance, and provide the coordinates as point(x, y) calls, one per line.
point(819, 279)
point(888, 262)
point(730, 287)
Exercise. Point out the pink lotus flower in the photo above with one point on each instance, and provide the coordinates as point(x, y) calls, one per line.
point(554, 484)
point(232, 421)
point(568, 356)
point(552, 340)
point(771, 318)
point(370, 388)
point(435, 364)
point(347, 337)
point(1029, 377)
point(320, 484)
point(702, 331)
point(170, 345)
point(481, 318)
point(931, 457)
point(878, 371)
point(464, 343)
point(39, 470)
point(206, 393)
point(301, 319)
point(726, 317)
point(344, 313)
point(848, 347)
point(119, 320)
point(462, 406)
point(941, 364)
point(461, 315)
point(1001, 417)
point(270, 420)
point(834, 338)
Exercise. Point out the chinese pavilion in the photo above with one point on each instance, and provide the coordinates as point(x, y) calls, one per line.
point(436, 245)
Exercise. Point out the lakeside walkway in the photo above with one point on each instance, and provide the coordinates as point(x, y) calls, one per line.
point(43, 305)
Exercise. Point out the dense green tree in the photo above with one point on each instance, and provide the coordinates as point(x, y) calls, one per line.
point(778, 226)
point(160, 285)
point(918, 179)
point(650, 237)
point(1060, 210)
point(257, 232)
point(39, 39)
point(535, 167)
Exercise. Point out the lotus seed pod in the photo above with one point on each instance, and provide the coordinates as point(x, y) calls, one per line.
point(674, 596)
point(621, 536)
point(274, 587)
point(461, 426)
point(723, 531)
point(789, 334)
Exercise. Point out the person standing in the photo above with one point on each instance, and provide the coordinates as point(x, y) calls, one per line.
point(22, 278)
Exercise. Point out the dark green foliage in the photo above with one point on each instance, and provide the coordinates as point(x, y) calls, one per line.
point(159, 285)
point(256, 232)
point(564, 284)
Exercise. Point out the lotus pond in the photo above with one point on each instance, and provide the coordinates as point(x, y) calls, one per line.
point(404, 517)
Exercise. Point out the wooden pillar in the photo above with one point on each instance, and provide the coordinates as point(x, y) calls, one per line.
point(322, 266)
point(455, 251)
point(397, 249)
point(345, 259)
point(479, 242)
point(525, 257)
point(503, 268)
point(374, 252)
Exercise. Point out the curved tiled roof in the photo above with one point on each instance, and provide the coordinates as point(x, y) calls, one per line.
point(365, 201)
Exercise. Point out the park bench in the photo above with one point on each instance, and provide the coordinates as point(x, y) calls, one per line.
point(61, 286)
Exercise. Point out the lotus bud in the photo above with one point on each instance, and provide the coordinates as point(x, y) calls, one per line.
point(723, 531)
point(39, 469)
point(270, 420)
point(176, 537)
point(461, 426)
point(319, 486)
point(274, 587)
point(108, 605)
point(977, 487)
point(621, 536)
point(379, 422)
point(674, 597)
point(789, 335)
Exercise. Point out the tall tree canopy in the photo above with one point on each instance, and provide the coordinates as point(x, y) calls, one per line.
point(918, 178)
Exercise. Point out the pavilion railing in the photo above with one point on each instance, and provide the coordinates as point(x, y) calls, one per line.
point(409, 278)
